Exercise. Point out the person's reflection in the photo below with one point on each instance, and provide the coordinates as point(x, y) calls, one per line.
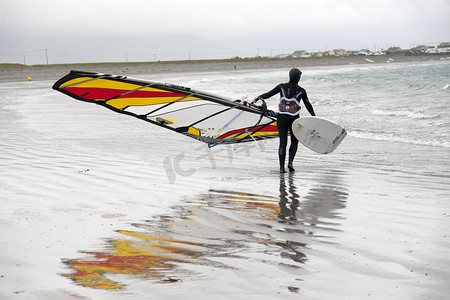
point(289, 199)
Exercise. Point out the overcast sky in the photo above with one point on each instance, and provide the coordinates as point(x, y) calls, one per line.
point(195, 28)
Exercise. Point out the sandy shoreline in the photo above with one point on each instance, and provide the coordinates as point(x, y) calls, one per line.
point(54, 72)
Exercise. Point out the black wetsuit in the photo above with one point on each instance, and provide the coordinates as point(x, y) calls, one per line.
point(291, 94)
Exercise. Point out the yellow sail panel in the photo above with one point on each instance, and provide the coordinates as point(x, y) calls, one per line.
point(121, 103)
point(76, 80)
point(193, 131)
point(102, 83)
point(265, 133)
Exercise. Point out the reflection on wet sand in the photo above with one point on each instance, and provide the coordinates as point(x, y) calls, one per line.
point(323, 202)
point(219, 229)
point(289, 198)
point(147, 256)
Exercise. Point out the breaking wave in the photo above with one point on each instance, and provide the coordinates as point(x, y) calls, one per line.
point(404, 113)
point(401, 139)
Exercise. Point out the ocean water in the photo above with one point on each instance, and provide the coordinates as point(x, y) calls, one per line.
point(398, 115)
point(162, 215)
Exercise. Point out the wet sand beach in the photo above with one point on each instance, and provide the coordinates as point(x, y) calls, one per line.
point(97, 205)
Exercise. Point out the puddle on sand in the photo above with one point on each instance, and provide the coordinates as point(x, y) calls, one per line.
point(219, 229)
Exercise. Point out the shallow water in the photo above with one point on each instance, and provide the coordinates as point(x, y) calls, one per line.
point(130, 210)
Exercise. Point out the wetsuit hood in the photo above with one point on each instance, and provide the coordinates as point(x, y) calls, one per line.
point(294, 75)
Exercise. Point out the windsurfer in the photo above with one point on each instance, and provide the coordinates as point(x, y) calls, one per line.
point(291, 94)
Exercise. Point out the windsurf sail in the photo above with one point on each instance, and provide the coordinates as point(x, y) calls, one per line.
point(211, 119)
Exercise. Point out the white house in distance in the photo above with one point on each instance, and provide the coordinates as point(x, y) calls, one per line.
point(438, 50)
point(442, 48)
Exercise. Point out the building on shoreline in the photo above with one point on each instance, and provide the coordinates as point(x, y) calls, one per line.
point(420, 49)
point(441, 48)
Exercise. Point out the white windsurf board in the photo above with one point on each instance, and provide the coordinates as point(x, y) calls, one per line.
point(318, 134)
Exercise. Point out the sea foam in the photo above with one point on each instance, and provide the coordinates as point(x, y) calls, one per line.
point(397, 138)
point(404, 113)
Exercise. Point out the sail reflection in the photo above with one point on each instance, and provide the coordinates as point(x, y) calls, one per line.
point(219, 229)
point(148, 257)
